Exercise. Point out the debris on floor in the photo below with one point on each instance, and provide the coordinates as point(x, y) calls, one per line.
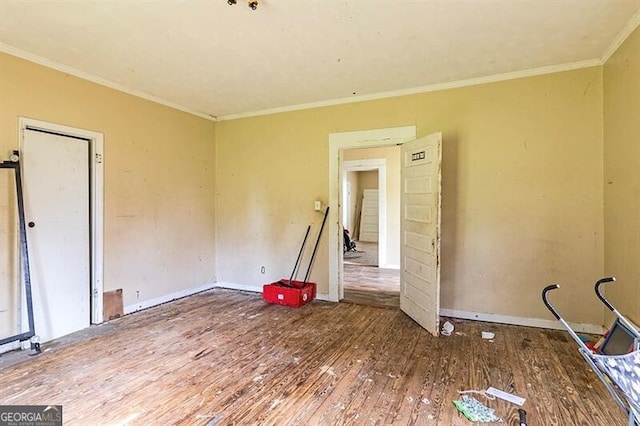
point(215, 420)
point(522, 417)
point(325, 369)
point(506, 396)
point(475, 411)
point(275, 403)
point(447, 328)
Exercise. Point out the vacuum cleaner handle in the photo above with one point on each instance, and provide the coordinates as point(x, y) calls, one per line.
point(599, 293)
point(546, 290)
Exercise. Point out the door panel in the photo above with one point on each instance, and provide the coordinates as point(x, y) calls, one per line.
point(420, 231)
point(56, 197)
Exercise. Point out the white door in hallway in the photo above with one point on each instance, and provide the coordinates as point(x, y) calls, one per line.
point(369, 217)
point(420, 230)
point(56, 198)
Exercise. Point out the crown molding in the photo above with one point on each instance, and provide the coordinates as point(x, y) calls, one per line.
point(421, 89)
point(32, 57)
point(621, 37)
point(332, 102)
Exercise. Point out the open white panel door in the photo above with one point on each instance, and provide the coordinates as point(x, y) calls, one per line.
point(420, 230)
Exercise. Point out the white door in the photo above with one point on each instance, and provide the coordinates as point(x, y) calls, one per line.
point(56, 199)
point(420, 230)
point(369, 216)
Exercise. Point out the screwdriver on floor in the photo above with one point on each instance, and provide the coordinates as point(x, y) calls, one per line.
point(523, 417)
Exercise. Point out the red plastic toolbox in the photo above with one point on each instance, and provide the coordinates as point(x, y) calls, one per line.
point(289, 296)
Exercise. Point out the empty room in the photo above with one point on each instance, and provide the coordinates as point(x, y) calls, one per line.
point(278, 212)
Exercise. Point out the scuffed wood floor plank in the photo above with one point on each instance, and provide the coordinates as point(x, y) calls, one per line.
point(227, 358)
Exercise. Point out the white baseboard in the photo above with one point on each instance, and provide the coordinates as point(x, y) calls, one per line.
point(257, 289)
point(166, 298)
point(527, 322)
point(502, 319)
point(241, 287)
point(390, 266)
point(12, 346)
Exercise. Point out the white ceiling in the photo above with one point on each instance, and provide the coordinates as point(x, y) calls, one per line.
point(217, 60)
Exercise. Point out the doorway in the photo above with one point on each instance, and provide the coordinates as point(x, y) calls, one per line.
point(63, 186)
point(420, 211)
point(339, 143)
point(364, 200)
point(371, 199)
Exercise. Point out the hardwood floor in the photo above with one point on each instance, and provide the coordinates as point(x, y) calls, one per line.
point(366, 254)
point(364, 283)
point(226, 357)
point(368, 285)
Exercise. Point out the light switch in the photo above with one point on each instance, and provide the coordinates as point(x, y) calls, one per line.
point(318, 206)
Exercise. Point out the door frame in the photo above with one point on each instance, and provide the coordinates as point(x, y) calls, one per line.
point(96, 203)
point(338, 142)
point(380, 165)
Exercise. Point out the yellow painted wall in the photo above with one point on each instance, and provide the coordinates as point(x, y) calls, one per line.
point(159, 176)
point(368, 179)
point(269, 172)
point(521, 193)
point(622, 176)
point(522, 189)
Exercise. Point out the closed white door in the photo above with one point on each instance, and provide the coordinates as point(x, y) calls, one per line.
point(420, 231)
point(56, 199)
